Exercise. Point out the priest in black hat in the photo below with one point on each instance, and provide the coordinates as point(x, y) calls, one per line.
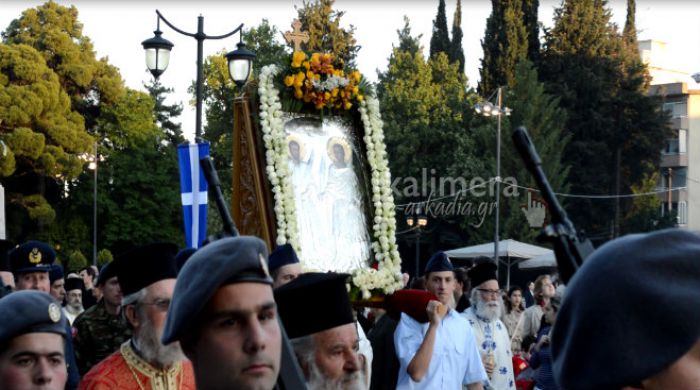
point(284, 265)
point(74, 287)
point(491, 334)
point(147, 278)
point(441, 354)
point(316, 313)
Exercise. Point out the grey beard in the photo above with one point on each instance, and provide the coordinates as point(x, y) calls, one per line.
point(77, 309)
point(151, 350)
point(489, 312)
point(352, 381)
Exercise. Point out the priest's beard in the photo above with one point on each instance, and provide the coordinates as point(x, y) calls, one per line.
point(151, 350)
point(351, 381)
point(491, 310)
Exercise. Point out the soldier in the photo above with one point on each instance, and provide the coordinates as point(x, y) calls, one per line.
point(284, 265)
point(224, 315)
point(32, 337)
point(58, 283)
point(99, 330)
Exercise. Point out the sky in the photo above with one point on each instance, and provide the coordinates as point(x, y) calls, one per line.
point(117, 29)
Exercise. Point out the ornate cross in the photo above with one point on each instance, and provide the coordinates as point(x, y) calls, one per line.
point(296, 37)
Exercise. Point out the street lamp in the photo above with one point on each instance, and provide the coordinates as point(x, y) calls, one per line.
point(488, 109)
point(417, 220)
point(240, 61)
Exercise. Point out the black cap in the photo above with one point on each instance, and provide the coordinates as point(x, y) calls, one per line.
point(481, 273)
point(55, 272)
point(439, 262)
point(74, 284)
point(225, 261)
point(32, 256)
point(5, 247)
point(298, 303)
point(283, 255)
point(182, 256)
point(30, 311)
point(145, 265)
point(107, 272)
point(649, 286)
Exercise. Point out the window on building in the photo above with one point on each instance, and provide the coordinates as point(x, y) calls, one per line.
point(676, 109)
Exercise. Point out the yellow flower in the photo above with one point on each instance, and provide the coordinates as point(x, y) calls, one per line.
point(289, 80)
point(298, 93)
point(297, 58)
point(347, 105)
point(360, 98)
point(306, 65)
point(355, 90)
point(356, 75)
point(327, 95)
point(299, 79)
point(334, 92)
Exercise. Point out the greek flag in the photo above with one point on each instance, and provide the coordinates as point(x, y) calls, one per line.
point(193, 188)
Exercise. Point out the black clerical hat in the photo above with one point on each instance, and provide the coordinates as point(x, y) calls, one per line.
point(145, 265)
point(481, 273)
point(283, 255)
point(74, 284)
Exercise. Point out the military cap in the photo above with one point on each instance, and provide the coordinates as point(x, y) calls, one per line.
point(482, 272)
point(438, 262)
point(5, 248)
point(182, 256)
point(224, 261)
point(145, 265)
point(74, 284)
point(32, 256)
point(283, 255)
point(30, 311)
point(298, 303)
point(55, 272)
point(108, 271)
point(650, 284)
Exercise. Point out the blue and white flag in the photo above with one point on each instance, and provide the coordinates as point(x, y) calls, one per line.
point(193, 188)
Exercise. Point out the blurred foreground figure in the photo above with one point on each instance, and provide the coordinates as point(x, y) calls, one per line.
point(630, 316)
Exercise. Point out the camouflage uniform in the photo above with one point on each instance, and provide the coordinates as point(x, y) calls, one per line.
point(97, 335)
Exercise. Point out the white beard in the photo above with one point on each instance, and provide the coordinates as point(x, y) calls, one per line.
point(149, 346)
point(317, 381)
point(489, 310)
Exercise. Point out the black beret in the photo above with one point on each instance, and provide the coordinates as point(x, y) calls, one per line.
point(298, 303)
point(107, 272)
point(30, 311)
point(5, 248)
point(74, 284)
point(482, 272)
point(225, 261)
point(439, 262)
point(629, 312)
point(32, 256)
point(55, 272)
point(182, 256)
point(283, 255)
point(145, 265)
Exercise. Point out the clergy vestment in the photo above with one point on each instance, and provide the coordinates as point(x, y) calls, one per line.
point(125, 370)
point(492, 338)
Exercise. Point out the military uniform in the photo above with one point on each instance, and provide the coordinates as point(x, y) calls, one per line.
point(97, 335)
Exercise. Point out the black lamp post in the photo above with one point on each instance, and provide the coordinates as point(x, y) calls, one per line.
point(240, 61)
point(417, 220)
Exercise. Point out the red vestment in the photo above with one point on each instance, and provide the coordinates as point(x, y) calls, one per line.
point(125, 370)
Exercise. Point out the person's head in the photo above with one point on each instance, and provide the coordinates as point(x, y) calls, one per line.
point(294, 150)
point(32, 354)
point(440, 278)
point(30, 263)
point(531, 286)
point(551, 309)
point(650, 281)
point(486, 296)
point(57, 289)
point(284, 265)
point(182, 256)
point(89, 277)
point(324, 341)
point(224, 315)
point(462, 281)
point(418, 283)
point(108, 285)
point(544, 288)
point(74, 293)
point(515, 299)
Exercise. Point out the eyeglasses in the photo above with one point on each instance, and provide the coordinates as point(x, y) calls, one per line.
point(162, 304)
point(493, 293)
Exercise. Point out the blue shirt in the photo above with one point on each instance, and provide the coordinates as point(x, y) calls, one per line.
point(455, 360)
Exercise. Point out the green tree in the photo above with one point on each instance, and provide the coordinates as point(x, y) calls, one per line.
point(456, 52)
point(644, 215)
point(505, 43)
point(166, 113)
point(76, 261)
point(104, 256)
point(532, 27)
point(440, 40)
point(325, 34)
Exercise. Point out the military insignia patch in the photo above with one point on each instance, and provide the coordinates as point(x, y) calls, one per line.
point(54, 312)
point(263, 264)
point(35, 256)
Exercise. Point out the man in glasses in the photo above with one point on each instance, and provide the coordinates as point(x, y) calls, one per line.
point(147, 279)
point(491, 334)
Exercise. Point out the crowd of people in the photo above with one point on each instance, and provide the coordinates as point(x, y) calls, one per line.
point(218, 317)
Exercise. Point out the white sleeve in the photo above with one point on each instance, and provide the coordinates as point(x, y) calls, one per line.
point(365, 350)
point(407, 339)
point(475, 369)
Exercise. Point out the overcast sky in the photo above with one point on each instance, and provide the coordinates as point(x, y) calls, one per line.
point(117, 28)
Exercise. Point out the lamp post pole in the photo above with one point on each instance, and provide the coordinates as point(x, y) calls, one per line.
point(94, 212)
point(417, 250)
point(496, 237)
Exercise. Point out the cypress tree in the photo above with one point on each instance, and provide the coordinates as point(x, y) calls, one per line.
point(532, 26)
point(504, 44)
point(456, 52)
point(440, 40)
point(408, 43)
point(630, 31)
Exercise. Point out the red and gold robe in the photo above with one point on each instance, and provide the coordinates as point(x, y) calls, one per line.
point(125, 370)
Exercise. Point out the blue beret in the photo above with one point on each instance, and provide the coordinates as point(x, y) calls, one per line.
point(283, 255)
point(482, 272)
point(32, 256)
point(5, 248)
point(225, 261)
point(145, 265)
point(182, 256)
point(439, 262)
point(30, 311)
point(629, 312)
point(55, 272)
point(108, 271)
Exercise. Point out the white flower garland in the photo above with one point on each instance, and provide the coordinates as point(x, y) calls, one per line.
point(388, 275)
